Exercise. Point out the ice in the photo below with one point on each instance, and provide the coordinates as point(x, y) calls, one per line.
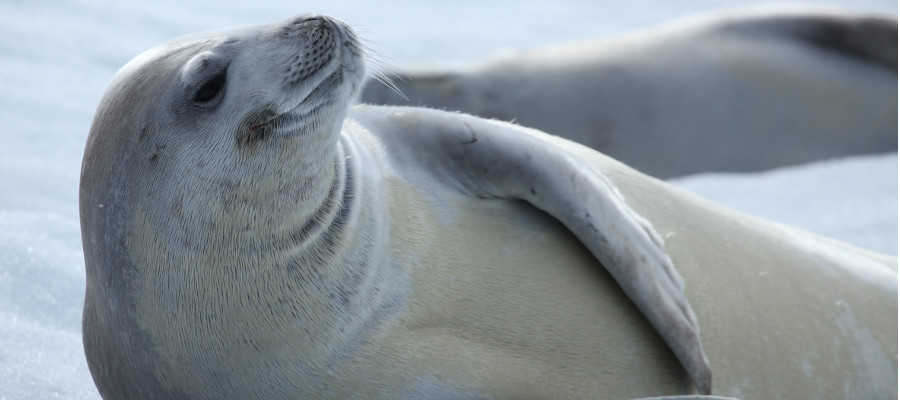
point(853, 199)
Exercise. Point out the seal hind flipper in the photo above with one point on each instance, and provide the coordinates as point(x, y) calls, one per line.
point(867, 38)
point(489, 159)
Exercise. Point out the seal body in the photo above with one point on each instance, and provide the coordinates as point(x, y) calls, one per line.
point(240, 243)
point(743, 90)
point(249, 235)
point(789, 314)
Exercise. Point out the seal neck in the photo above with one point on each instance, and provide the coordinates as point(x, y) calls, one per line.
point(327, 223)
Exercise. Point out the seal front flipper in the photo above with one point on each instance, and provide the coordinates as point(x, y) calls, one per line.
point(491, 159)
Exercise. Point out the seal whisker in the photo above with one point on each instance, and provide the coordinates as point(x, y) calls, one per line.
point(386, 81)
point(384, 70)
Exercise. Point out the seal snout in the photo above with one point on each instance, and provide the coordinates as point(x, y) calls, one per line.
point(316, 39)
point(323, 62)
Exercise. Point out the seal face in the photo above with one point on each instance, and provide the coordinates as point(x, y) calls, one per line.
point(241, 239)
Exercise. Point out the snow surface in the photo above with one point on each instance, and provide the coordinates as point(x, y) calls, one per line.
point(853, 199)
point(56, 58)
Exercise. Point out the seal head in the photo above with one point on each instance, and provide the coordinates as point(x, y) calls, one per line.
point(197, 170)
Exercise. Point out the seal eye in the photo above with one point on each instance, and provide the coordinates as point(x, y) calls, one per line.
point(210, 89)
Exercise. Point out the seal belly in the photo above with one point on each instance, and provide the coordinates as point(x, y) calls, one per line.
point(506, 303)
point(780, 318)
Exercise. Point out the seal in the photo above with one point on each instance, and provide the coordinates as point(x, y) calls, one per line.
point(753, 88)
point(247, 234)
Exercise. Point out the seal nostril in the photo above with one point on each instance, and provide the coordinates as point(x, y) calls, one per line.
point(305, 25)
point(316, 39)
point(309, 21)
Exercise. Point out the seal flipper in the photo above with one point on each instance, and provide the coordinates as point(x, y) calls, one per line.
point(491, 159)
point(688, 397)
point(867, 38)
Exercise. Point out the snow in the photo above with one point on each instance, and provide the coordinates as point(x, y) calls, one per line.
point(852, 199)
point(58, 56)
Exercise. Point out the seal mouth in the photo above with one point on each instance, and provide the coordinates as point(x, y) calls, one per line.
point(320, 93)
point(259, 126)
point(256, 127)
